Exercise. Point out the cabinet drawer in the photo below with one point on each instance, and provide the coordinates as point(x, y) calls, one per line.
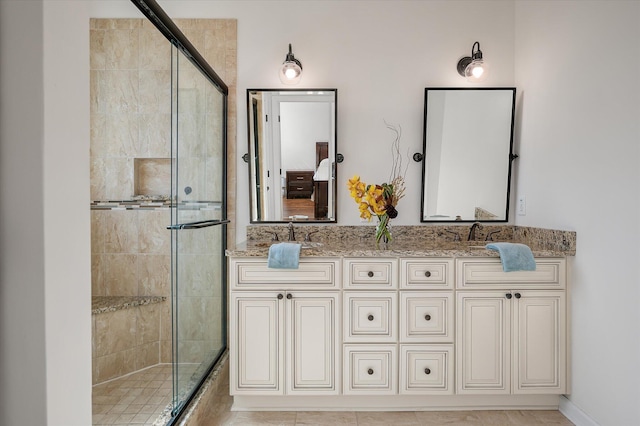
point(311, 274)
point(370, 274)
point(426, 274)
point(426, 317)
point(299, 175)
point(426, 369)
point(370, 317)
point(299, 187)
point(487, 273)
point(370, 369)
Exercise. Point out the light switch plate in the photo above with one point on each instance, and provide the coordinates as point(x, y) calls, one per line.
point(522, 205)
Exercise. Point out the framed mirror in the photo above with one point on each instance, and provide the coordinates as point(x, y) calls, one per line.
point(292, 154)
point(468, 144)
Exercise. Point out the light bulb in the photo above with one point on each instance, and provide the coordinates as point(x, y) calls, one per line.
point(476, 70)
point(290, 73)
point(291, 69)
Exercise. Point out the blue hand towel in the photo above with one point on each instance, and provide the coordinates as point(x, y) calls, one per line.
point(284, 256)
point(514, 256)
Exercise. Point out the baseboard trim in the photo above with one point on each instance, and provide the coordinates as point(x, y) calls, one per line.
point(574, 413)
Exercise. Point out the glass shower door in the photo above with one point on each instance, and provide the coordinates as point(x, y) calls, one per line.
point(197, 226)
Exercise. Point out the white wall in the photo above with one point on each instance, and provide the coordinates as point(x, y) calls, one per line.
point(22, 314)
point(45, 356)
point(380, 55)
point(577, 66)
point(302, 124)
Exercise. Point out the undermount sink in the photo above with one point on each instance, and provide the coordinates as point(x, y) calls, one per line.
point(303, 245)
point(311, 244)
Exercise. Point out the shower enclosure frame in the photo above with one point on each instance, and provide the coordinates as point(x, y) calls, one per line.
point(167, 27)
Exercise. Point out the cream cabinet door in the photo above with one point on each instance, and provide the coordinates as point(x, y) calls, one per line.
point(483, 342)
point(256, 343)
point(511, 342)
point(312, 345)
point(539, 341)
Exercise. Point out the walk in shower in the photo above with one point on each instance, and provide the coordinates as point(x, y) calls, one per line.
point(159, 215)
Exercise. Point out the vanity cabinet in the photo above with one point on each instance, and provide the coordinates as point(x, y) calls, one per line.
point(284, 339)
point(361, 332)
point(511, 328)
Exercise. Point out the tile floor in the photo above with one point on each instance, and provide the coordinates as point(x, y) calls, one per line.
point(221, 414)
point(140, 398)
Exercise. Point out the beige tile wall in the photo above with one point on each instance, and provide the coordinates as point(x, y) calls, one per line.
point(131, 118)
point(130, 68)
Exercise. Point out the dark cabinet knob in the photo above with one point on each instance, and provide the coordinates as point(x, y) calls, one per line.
point(427, 317)
point(427, 274)
point(370, 371)
point(280, 296)
point(427, 371)
point(289, 295)
point(518, 295)
point(370, 274)
point(508, 295)
point(370, 317)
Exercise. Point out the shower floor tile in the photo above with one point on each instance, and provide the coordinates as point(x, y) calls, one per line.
point(139, 398)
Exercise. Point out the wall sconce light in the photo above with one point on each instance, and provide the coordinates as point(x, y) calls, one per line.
point(473, 67)
point(291, 70)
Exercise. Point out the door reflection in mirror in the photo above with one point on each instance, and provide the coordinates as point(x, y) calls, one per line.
point(292, 147)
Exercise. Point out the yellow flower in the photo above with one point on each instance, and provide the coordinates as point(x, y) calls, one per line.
point(364, 211)
point(356, 188)
point(375, 198)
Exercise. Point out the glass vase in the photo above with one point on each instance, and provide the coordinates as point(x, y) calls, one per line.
point(383, 231)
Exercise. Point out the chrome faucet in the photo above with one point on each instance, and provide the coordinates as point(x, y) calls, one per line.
point(292, 234)
point(472, 231)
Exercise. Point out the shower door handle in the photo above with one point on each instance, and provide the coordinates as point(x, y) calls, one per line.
point(198, 225)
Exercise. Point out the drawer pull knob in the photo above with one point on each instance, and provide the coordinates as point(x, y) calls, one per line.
point(427, 371)
point(427, 274)
point(289, 295)
point(427, 317)
point(370, 371)
point(508, 295)
point(518, 295)
point(370, 317)
point(370, 273)
point(280, 296)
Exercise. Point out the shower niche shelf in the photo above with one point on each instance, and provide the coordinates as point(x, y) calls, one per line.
point(151, 176)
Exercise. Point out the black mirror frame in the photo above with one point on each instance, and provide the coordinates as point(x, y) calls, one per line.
point(334, 168)
point(512, 156)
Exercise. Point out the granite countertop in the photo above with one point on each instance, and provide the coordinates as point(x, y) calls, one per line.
point(393, 249)
point(102, 304)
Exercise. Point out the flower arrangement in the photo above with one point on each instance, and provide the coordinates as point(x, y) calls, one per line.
point(381, 200)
